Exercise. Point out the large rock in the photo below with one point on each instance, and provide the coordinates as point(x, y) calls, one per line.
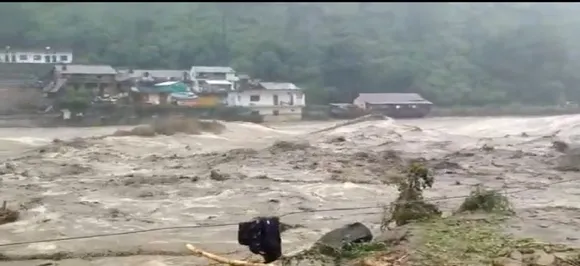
point(337, 239)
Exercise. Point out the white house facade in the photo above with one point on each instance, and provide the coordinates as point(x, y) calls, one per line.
point(274, 101)
point(46, 56)
point(213, 76)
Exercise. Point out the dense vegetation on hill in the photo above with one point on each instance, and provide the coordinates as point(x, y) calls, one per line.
point(453, 53)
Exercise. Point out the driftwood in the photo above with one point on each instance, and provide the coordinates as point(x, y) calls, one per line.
point(200, 253)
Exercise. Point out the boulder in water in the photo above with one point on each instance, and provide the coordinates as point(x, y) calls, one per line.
point(339, 238)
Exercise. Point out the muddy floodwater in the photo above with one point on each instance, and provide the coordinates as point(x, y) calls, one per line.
point(116, 184)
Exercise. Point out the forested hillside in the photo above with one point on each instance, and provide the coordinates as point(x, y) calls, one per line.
point(452, 53)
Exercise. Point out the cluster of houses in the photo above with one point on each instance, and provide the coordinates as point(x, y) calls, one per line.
point(199, 86)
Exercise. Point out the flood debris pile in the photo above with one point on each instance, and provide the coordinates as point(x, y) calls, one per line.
point(284, 146)
point(173, 125)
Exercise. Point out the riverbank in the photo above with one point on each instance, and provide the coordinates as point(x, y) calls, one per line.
point(510, 110)
point(51, 120)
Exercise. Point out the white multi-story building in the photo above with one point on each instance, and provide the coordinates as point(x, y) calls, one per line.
point(39, 56)
point(275, 101)
point(213, 76)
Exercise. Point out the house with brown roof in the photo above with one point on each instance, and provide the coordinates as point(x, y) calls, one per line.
point(98, 80)
point(397, 105)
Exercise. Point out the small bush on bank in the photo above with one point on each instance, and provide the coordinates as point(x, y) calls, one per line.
point(486, 200)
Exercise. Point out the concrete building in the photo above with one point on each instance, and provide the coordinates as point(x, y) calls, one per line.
point(397, 105)
point(98, 79)
point(275, 101)
point(36, 56)
point(213, 75)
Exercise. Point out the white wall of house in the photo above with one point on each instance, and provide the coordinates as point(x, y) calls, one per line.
point(36, 57)
point(279, 113)
point(263, 98)
point(231, 77)
point(220, 84)
point(288, 106)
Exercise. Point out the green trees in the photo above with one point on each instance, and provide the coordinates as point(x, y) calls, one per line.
point(452, 53)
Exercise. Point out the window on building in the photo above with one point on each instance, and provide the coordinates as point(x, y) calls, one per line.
point(413, 106)
point(275, 112)
point(254, 98)
point(54, 58)
point(299, 96)
point(255, 112)
point(23, 57)
point(37, 57)
point(64, 58)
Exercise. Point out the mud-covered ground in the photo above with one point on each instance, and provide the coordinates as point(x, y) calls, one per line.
point(115, 184)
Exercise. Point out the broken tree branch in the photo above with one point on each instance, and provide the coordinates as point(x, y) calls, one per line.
point(220, 259)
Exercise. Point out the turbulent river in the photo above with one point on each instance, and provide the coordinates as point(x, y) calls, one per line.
point(114, 184)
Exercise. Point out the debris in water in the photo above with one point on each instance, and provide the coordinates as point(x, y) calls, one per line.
point(487, 148)
point(283, 145)
point(216, 175)
point(173, 125)
point(560, 146)
point(8, 215)
point(337, 139)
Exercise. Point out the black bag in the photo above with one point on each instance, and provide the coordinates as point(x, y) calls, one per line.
point(262, 235)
